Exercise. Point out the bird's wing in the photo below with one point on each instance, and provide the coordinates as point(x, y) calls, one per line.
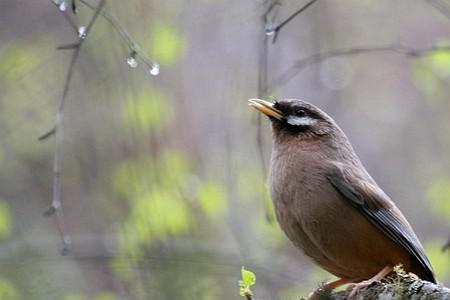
point(379, 209)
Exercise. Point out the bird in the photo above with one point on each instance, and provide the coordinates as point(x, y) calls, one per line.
point(329, 206)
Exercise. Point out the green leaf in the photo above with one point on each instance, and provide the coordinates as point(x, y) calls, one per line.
point(248, 280)
point(248, 277)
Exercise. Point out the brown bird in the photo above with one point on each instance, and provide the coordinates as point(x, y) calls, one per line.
point(329, 206)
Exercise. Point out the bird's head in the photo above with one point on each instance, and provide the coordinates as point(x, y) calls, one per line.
point(294, 117)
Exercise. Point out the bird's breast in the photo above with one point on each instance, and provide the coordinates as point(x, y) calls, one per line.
point(295, 179)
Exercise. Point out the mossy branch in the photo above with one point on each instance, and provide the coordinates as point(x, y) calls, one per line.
point(399, 286)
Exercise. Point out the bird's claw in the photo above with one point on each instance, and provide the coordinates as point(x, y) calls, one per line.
point(354, 288)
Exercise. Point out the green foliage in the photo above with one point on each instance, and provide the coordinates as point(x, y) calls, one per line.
point(8, 291)
point(212, 197)
point(158, 208)
point(431, 73)
point(173, 167)
point(127, 177)
point(17, 62)
point(439, 260)
point(5, 220)
point(167, 45)
point(157, 191)
point(438, 193)
point(247, 281)
point(163, 197)
point(133, 177)
point(155, 215)
point(150, 110)
point(440, 62)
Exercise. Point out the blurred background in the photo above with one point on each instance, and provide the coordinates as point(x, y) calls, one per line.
point(164, 177)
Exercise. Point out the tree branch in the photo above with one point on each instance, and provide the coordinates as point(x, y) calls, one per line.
point(275, 30)
point(397, 286)
point(56, 206)
point(262, 79)
point(440, 6)
point(301, 64)
point(263, 61)
point(133, 47)
point(83, 32)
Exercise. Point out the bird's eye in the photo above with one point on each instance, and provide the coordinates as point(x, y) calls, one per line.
point(300, 112)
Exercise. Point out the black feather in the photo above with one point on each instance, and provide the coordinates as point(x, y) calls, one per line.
point(385, 221)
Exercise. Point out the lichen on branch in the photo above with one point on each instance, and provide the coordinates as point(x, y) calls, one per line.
point(398, 286)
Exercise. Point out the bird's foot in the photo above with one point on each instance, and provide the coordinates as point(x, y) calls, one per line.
point(324, 291)
point(354, 288)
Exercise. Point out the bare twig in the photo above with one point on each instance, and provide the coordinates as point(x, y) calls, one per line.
point(56, 207)
point(301, 64)
point(68, 46)
point(263, 86)
point(440, 6)
point(263, 61)
point(47, 134)
point(263, 81)
point(275, 30)
point(129, 41)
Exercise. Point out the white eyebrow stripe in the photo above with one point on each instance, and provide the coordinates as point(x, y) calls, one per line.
point(301, 121)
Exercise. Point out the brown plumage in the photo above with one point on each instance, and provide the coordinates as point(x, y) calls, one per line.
point(327, 203)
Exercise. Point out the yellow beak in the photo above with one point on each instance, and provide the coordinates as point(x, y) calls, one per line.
point(266, 108)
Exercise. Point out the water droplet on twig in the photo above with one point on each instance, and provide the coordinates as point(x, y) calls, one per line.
point(62, 6)
point(270, 32)
point(132, 62)
point(154, 69)
point(82, 32)
point(269, 29)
